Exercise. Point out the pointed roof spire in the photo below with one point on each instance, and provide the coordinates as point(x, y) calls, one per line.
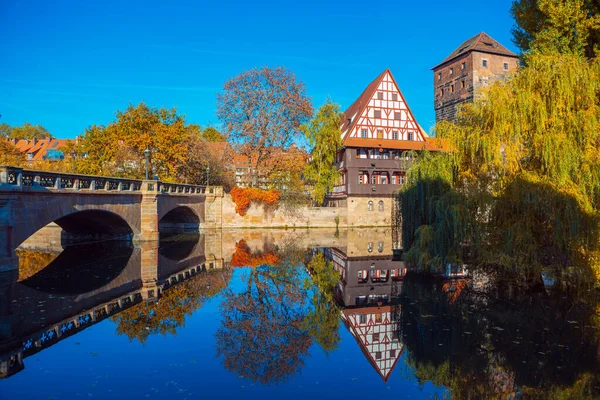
point(483, 43)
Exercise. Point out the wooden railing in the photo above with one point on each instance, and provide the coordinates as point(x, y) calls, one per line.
point(14, 178)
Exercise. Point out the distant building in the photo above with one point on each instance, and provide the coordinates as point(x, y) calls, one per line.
point(377, 131)
point(477, 62)
point(41, 149)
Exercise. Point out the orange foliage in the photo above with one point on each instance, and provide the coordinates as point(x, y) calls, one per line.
point(243, 258)
point(454, 289)
point(243, 197)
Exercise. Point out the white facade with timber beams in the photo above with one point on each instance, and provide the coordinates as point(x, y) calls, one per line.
point(379, 134)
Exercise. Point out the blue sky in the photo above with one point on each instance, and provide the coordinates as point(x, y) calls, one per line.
point(70, 64)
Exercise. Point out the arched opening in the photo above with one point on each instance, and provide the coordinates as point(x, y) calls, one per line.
point(179, 220)
point(177, 246)
point(88, 225)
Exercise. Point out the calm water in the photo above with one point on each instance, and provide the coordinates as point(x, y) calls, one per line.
point(248, 314)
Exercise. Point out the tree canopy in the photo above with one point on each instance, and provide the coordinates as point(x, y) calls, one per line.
point(25, 131)
point(521, 189)
point(325, 138)
point(262, 111)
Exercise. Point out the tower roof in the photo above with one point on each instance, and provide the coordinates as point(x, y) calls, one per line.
point(483, 43)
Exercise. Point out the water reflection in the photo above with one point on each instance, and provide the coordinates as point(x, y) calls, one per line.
point(278, 297)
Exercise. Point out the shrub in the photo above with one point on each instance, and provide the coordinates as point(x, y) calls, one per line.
point(244, 197)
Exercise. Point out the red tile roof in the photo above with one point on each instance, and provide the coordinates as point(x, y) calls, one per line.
point(39, 148)
point(483, 43)
point(361, 103)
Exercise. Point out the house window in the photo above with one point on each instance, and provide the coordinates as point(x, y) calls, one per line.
point(394, 96)
point(411, 136)
point(361, 153)
point(363, 133)
point(370, 204)
point(383, 180)
point(394, 180)
point(506, 66)
point(463, 66)
point(379, 133)
point(395, 135)
point(363, 318)
point(376, 339)
point(393, 353)
point(451, 71)
point(373, 182)
point(484, 63)
point(462, 84)
point(402, 179)
point(380, 244)
point(377, 113)
point(370, 247)
point(397, 115)
point(378, 320)
point(380, 208)
point(363, 178)
point(378, 355)
point(379, 95)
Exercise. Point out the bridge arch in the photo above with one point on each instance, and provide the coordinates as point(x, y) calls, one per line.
point(180, 219)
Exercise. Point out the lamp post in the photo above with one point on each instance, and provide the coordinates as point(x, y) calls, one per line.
point(146, 155)
point(207, 176)
point(73, 154)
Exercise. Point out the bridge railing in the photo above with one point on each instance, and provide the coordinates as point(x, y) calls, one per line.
point(14, 178)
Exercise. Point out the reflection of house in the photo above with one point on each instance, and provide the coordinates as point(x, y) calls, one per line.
point(368, 290)
point(41, 149)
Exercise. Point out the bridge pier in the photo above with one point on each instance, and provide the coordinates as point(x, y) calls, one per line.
point(149, 265)
point(8, 260)
point(149, 212)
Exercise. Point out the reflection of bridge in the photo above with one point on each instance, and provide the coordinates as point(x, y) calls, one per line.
point(35, 318)
point(97, 207)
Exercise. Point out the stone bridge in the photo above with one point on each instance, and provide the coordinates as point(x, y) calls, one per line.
point(34, 316)
point(94, 207)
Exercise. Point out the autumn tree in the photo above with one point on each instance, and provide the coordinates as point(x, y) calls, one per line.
point(9, 155)
point(568, 26)
point(325, 137)
point(261, 111)
point(25, 131)
point(118, 148)
point(211, 134)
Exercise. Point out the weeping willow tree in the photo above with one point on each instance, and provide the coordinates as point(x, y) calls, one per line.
point(527, 160)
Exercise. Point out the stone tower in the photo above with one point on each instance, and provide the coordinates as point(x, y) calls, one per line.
point(475, 63)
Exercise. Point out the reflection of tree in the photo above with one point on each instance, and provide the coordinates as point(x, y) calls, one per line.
point(323, 320)
point(243, 257)
point(482, 345)
point(175, 304)
point(31, 262)
point(261, 336)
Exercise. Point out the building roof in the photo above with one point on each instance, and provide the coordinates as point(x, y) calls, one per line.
point(483, 43)
point(353, 112)
point(39, 148)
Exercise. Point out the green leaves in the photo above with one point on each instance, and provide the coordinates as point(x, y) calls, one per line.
point(325, 137)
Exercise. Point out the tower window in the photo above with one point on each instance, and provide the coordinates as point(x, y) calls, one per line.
point(506, 66)
point(379, 95)
point(462, 84)
point(451, 88)
point(451, 71)
point(377, 113)
point(439, 76)
point(441, 92)
point(484, 63)
point(463, 65)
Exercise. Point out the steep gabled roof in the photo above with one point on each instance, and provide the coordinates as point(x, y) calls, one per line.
point(483, 43)
point(357, 107)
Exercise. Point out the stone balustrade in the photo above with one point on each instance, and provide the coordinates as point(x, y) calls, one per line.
point(19, 179)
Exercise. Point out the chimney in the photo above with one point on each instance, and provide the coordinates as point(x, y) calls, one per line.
point(34, 142)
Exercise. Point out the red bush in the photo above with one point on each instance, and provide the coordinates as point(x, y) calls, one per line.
point(244, 197)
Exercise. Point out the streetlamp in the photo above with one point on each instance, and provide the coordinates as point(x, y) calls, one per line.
point(73, 154)
point(207, 176)
point(154, 176)
point(147, 154)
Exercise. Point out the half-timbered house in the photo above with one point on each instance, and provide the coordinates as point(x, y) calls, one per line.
point(378, 131)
